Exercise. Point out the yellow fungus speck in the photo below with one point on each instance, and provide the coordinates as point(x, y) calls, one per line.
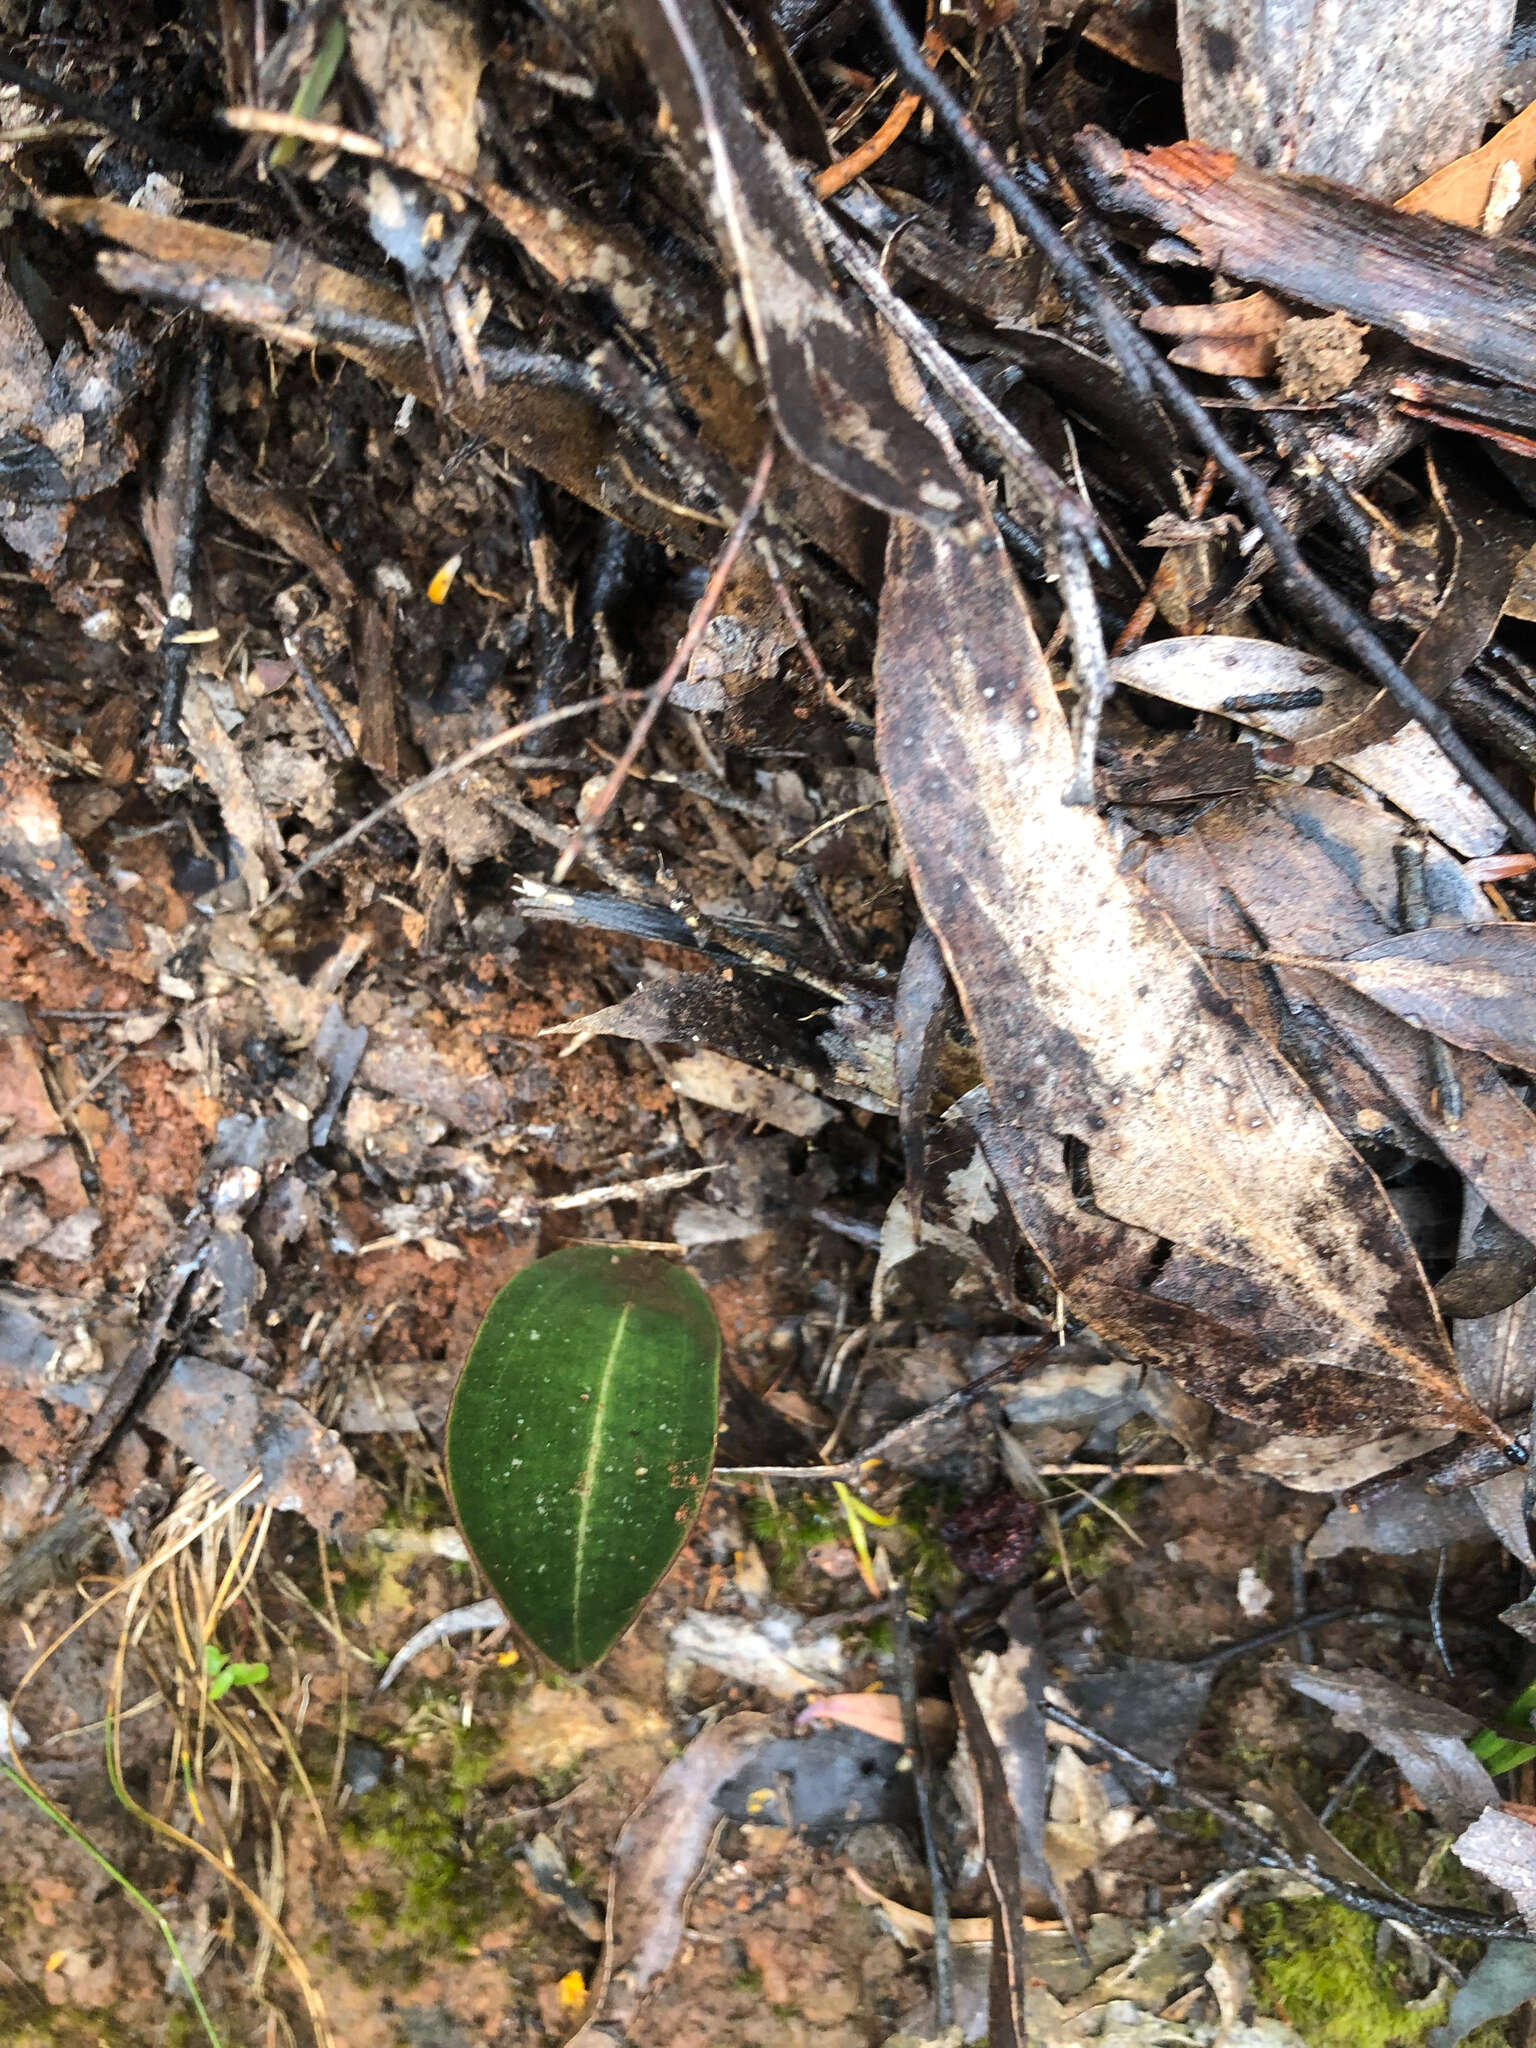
point(442, 582)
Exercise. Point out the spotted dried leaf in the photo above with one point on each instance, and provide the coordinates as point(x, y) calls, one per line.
point(1105, 1043)
point(828, 384)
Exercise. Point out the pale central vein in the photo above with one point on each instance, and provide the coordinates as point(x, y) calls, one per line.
point(588, 1484)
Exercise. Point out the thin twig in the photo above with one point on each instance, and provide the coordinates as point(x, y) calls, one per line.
point(859, 160)
point(1299, 1600)
point(1270, 1853)
point(103, 1073)
point(177, 649)
point(1146, 372)
point(1057, 507)
point(894, 1439)
point(1347, 1784)
point(661, 689)
point(912, 1738)
point(1437, 1618)
point(129, 1380)
point(482, 750)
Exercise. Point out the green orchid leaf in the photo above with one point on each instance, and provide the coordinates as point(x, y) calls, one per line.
point(581, 1439)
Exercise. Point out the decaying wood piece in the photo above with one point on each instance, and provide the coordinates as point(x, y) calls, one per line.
point(1451, 292)
point(261, 284)
point(1098, 1028)
point(592, 452)
point(1336, 90)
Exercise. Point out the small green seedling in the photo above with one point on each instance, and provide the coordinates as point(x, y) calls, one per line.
point(1500, 1753)
point(313, 86)
point(223, 1672)
point(581, 1440)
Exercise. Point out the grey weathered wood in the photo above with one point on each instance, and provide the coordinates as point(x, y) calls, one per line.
point(1372, 92)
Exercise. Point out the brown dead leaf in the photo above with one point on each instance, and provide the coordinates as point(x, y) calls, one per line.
point(655, 1863)
point(1489, 545)
point(1232, 338)
point(827, 382)
point(1460, 191)
point(1474, 985)
point(1101, 1034)
point(1313, 873)
point(879, 1713)
point(1242, 678)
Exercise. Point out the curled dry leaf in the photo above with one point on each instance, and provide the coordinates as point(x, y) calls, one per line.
point(655, 1863)
point(1250, 680)
point(1233, 338)
point(1501, 1846)
point(1489, 544)
point(1426, 1739)
point(1460, 191)
point(1104, 1042)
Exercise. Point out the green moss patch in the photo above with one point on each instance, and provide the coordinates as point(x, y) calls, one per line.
point(1317, 1964)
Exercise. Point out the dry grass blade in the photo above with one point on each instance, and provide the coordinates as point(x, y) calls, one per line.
point(30, 1790)
point(183, 1596)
